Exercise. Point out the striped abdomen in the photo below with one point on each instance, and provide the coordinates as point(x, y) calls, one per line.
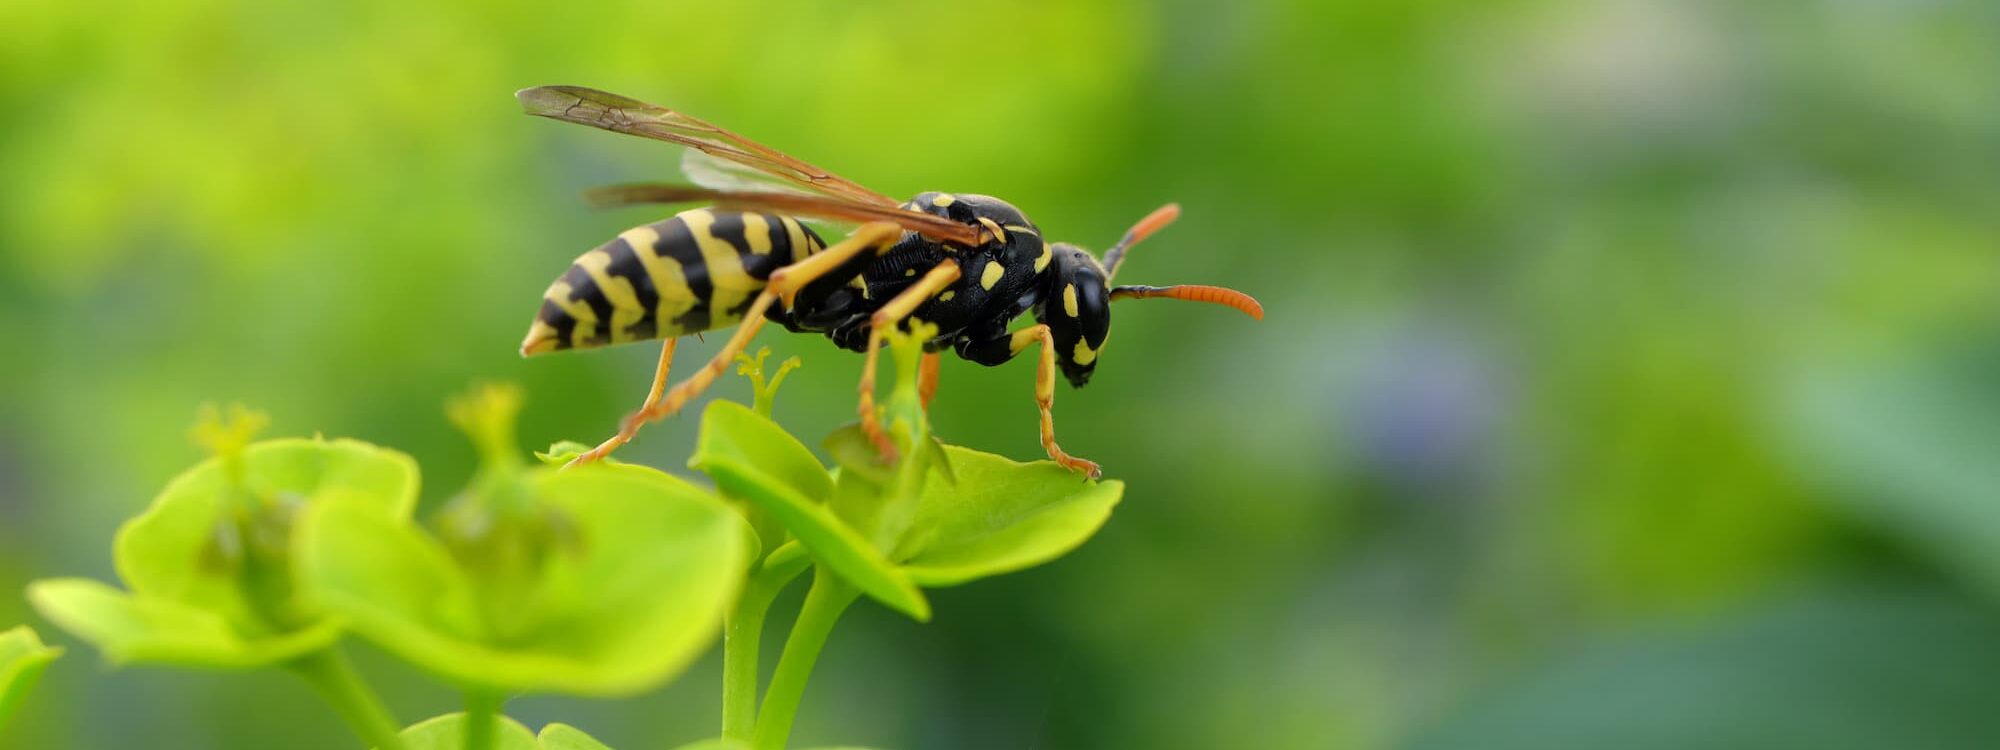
point(697, 271)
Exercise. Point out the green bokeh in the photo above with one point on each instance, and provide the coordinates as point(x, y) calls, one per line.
point(1602, 336)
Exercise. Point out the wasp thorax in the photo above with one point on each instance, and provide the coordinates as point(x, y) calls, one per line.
point(1001, 220)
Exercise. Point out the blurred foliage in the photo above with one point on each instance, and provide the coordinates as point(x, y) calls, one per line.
point(23, 657)
point(208, 564)
point(1610, 322)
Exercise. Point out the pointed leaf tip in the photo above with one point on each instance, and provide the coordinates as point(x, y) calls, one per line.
point(23, 657)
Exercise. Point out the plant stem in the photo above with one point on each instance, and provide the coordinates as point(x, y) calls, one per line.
point(741, 637)
point(482, 718)
point(334, 678)
point(824, 603)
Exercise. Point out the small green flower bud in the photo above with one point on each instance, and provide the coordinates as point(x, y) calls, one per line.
point(764, 393)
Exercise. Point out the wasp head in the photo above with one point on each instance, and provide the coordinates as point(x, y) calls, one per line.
point(1076, 306)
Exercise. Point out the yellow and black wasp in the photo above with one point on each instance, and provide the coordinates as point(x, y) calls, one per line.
point(968, 264)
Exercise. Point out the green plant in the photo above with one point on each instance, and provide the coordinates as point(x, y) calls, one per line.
point(605, 580)
point(22, 659)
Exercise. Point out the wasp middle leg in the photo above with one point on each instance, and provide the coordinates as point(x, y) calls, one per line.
point(927, 377)
point(891, 314)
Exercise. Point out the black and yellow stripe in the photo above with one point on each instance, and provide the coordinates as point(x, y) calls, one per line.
point(694, 272)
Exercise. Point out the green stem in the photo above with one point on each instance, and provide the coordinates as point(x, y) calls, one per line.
point(824, 603)
point(482, 718)
point(334, 678)
point(741, 634)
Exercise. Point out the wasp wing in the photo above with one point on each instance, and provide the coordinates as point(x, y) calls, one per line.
point(814, 206)
point(716, 173)
point(622, 114)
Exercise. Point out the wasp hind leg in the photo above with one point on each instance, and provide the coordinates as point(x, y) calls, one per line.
point(1004, 346)
point(784, 284)
point(630, 430)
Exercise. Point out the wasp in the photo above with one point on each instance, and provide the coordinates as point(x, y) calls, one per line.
point(967, 264)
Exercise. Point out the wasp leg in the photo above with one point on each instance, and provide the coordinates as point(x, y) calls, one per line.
point(927, 376)
point(1001, 347)
point(890, 314)
point(626, 434)
point(784, 283)
point(835, 265)
point(686, 390)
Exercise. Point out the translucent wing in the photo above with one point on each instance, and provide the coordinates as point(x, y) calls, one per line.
point(721, 174)
point(743, 157)
point(815, 206)
point(730, 177)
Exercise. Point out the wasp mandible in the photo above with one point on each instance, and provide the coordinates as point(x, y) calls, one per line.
point(968, 264)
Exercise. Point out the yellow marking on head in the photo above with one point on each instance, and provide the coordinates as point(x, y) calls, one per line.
point(729, 284)
point(999, 234)
point(909, 272)
point(942, 200)
point(1083, 354)
point(1048, 254)
point(757, 232)
point(669, 282)
point(991, 275)
point(1069, 299)
point(541, 339)
point(585, 317)
point(625, 309)
point(1019, 228)
point(948, 294)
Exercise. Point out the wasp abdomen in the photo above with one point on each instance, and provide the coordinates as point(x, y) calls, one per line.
point(696, 271)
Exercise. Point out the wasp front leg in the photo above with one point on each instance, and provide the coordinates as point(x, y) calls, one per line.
point(847, 256)
point(1003, 346)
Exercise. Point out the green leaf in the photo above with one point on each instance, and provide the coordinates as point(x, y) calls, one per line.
point(951, 515)
point(908, 425)
point(562, 452)
point(131, 629)
point(1907, 445)
point(732, 432)
point(1000, 517)
point(175, 550)
point(786, 555)
point(566, 737)
point(22, 660)
point(447, 732)
point(715, 744)
point(636, 592)
point(877, 500)
point(750, 457)
point(571, 739)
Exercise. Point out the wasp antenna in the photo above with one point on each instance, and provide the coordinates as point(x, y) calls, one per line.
point(1155, 221)
point(1213, 295)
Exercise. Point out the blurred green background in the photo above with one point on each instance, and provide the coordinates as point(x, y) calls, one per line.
point(1631, 376)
